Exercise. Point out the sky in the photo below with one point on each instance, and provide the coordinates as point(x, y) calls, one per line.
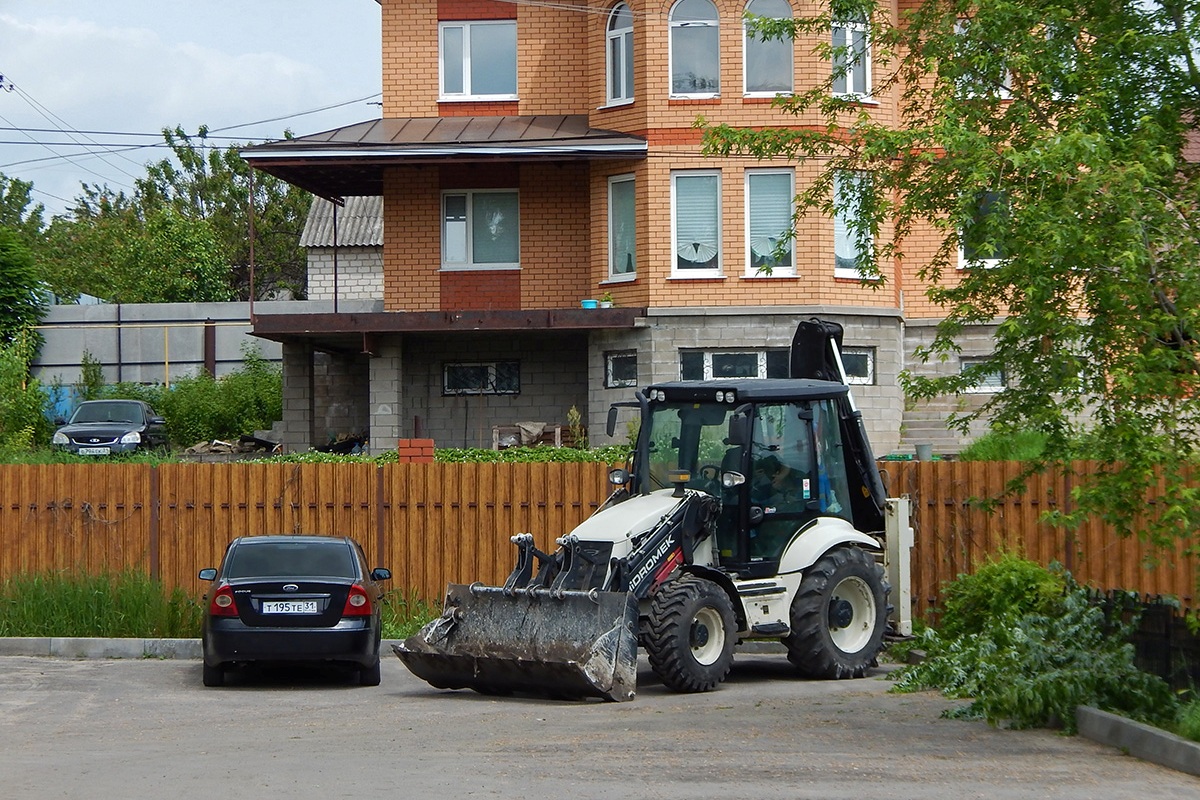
point(88, 85)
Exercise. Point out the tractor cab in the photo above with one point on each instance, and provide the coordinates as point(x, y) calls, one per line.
point(770, 450)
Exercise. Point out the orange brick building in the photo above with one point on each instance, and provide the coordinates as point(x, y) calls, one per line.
point(535, 156)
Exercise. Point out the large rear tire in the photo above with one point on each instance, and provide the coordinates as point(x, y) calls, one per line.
point(690, 635)
point(839, 616)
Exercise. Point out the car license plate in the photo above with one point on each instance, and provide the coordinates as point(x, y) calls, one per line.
point(94, 451)
point(289, 607)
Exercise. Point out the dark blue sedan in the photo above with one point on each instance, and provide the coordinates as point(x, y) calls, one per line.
point(278, 599)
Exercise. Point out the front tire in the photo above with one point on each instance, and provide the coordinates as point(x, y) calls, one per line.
point(690, 635)
point(839, 616)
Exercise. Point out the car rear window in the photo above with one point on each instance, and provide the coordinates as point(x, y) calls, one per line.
point(291, 560)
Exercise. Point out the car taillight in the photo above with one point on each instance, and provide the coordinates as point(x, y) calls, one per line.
point(222, 604)
point(358, 604)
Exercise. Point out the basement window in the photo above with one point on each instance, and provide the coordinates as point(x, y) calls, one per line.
point(491, 377)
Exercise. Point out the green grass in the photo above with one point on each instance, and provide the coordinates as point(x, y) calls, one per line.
point(404, 616)
point(130, 605)
point(116, 605)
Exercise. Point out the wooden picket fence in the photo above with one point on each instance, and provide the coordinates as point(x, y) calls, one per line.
point(437, 523)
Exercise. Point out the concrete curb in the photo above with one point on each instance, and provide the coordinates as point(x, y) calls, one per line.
point(70, 647)
point(1144, 741)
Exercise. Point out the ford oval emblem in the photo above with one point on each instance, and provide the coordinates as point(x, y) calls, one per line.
point(291, 587)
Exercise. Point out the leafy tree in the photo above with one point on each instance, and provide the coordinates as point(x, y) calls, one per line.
point(15, 210)
point(214, 185)
point(1048, 138)
point(123, 253)
point(21, 305)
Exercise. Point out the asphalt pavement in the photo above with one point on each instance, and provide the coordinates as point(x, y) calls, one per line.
point(130, 728)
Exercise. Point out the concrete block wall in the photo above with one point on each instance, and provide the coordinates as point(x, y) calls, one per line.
point(658, 347)
point(553, 379)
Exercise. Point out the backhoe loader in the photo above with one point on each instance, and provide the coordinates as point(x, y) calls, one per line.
point(750, 509)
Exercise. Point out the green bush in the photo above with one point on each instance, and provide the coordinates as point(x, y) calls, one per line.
point(1005, 446)
point(23, 420)
point(125, 604)
point(1032, 668)
point(1188, 725)
point(200, 408)
point(1004, 585)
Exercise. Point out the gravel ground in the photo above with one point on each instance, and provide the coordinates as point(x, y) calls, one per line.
point(144, 728)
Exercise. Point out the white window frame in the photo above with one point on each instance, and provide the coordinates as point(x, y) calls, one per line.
point(1004, 92)
point(861, 380)
point(675, 24)
point(618, 47)
point(759, 353)
point(611, 382)
point(840, 228)
point(749, 42)
point(613, 273)
point(783, 271)
point(976, 263)
point(995, 382)
point(470, 195)
point(467, 94)
point(862, 64)
point(492, 368)
point(710, 272)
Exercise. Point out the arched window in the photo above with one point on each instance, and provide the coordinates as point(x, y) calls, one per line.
point(620, 55)
point(695, 49)
point(768, 64)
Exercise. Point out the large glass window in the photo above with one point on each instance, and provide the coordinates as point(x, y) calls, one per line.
point(982, 241)
point(848, 248)
point(479, 60)
point(851, 59)
point(620, 55)
point(480, 229)
point(622, 228)
point(695, 49)
point(768, 67)
point(696, 222)
point(769, 211)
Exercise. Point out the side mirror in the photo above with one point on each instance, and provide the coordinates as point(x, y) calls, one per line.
point(739, 427)
point(60, 421)
point(381, 574)
point(611, 427)
point(157, 421)
point(208, 574)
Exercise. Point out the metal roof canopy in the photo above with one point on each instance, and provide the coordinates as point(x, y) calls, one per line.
point(352, 333)
point(349, 161)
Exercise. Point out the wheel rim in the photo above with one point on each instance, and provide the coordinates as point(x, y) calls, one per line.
point(851, 615)
point(707, 636)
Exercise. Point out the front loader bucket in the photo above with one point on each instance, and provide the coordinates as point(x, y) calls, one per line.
point(568, 644)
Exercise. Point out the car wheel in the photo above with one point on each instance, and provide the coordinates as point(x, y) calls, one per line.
point(214, 676)
point(369, 676)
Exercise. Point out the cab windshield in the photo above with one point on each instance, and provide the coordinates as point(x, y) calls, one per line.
point(690, 437)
